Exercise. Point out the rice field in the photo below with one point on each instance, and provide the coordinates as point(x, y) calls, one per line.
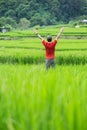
point(31, 50)
point(71, 32)
point(32, 98)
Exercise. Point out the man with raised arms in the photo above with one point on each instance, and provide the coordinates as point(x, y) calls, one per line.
point(49, 47)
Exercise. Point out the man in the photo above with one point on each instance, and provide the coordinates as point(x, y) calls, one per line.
point(50, 48)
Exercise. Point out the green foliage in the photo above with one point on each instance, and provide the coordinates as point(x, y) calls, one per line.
point(36, 19)
point(31, 51)
point(33, 99)
point(69, 32)
point(24, 24)
point(2, 22)
point(47, 12)
point(7, 21)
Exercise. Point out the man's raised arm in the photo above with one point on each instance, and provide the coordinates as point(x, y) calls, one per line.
point(36, 32)
point(61, 30)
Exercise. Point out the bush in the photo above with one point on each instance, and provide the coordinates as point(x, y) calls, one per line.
point(7, 21)
point(24, 24)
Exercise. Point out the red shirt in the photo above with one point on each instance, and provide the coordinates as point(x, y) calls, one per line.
point(50, 49)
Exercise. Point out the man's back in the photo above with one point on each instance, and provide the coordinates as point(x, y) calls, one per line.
point(50, 49)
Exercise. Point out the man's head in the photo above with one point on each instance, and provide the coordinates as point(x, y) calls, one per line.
point(49, 38)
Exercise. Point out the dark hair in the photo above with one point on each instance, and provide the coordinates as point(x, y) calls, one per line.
point(49, 38)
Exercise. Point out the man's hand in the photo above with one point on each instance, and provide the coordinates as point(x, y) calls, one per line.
point(36, 31)
point(61, 30)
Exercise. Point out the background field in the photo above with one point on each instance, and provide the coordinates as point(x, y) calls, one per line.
point(31, 50)
point(69, 32)
point(24, 47)
point(32, 98)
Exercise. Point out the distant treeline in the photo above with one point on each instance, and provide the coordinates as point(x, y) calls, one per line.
point(40, 12)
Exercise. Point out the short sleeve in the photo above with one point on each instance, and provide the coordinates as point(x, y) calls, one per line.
point(55, 42)
point(44, 42)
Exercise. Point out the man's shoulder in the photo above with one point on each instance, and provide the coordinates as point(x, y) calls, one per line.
point(43, 41)
point(55, 41)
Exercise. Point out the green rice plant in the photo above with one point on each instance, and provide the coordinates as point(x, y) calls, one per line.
point(32, 98)
point(74, 32)
point(30, 51)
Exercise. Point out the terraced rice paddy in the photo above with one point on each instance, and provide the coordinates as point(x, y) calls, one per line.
point(32, 98)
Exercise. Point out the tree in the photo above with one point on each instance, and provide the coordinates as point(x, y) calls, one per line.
point(7, 21)
point(24, 23)
point(11, 22)
point(10, 13)
point(36, 11)
point(2, 21)
point(71, 8)
point(36, 20)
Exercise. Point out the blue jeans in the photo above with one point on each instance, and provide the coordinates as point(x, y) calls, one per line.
point(50, 63)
